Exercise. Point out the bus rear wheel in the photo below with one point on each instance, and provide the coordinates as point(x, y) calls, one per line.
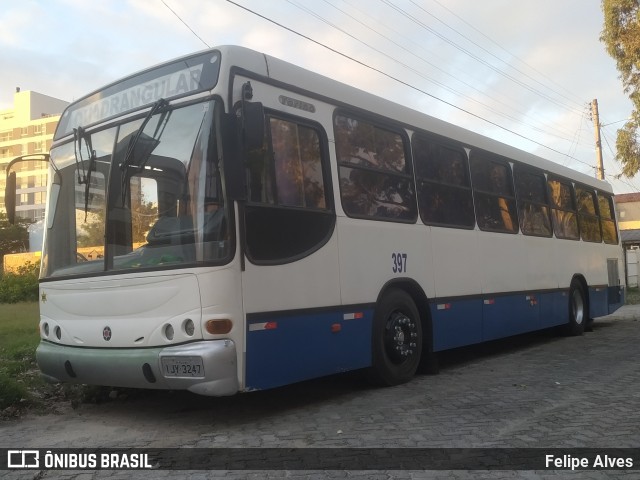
point(397, 340)
point(578, 310)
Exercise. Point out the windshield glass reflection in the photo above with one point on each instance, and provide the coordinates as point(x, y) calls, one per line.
point(162, 207)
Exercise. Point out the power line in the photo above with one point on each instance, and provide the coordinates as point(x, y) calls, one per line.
point(434, 66)
point(474, 56)
point(576, 137)
point(549, 79)
point(412, 69)
point(185, 23)
point(402, 82)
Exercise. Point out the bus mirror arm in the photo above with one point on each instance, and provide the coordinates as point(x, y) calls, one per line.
point(10, 191)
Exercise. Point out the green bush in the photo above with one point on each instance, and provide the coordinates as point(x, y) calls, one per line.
point(21, 286)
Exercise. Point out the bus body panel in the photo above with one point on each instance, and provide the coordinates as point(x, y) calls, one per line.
point(456, 322)
point(507, 315)
point(373, 254)
point(456, 262)
point(83, 309)
point(221, 298)
point(503, 262)
point(306, 283)
point(287, 347)
point(539, 265)
point(136, 324)
point(598, 300)
point(288, 332)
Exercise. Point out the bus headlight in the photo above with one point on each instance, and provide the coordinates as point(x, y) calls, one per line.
point(168, 332)
point(189, 327)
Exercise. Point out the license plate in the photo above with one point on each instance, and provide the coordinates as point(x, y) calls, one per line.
point(182, 366)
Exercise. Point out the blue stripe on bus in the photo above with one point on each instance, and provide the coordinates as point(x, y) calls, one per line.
point(288, 347)
point(456, 323)
point(285, 348)
point(474, 320)
point(615, 298)
point(598, 302)
point(511, 315)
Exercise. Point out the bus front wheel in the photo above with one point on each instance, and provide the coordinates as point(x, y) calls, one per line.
point(397, 340)
point(578, 309)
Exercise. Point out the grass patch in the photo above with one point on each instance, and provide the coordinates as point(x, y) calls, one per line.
point(632, 296)
point(19, 338)
point(21, 386)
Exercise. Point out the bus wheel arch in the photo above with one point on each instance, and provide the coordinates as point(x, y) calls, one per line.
point(578, 307)
point(401, 336)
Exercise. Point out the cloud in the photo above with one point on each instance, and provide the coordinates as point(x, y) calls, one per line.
point(17, 22)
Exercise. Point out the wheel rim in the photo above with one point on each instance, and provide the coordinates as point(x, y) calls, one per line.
point(400, 337)
point(578, 306)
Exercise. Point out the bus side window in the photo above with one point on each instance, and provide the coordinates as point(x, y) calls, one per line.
point(298, 168)
point(289, 214)
point(493, 191)
point(444, 189)
point(533, 208)
point(607, 219)
point(563, 211)
point(290, 172)
point(587, 215)
point(376, 180)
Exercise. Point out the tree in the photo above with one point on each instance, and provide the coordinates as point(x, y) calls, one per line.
point(13, 238)
point(621, 36)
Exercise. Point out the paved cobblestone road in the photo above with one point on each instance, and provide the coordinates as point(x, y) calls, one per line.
point(537, 390)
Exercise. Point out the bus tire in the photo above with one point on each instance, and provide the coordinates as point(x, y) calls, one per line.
point(396, 340)
point(578, 309)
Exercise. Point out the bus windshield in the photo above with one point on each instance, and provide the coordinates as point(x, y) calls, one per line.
point(146, 194)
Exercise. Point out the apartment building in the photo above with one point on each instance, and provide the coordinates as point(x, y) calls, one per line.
point(26, 129)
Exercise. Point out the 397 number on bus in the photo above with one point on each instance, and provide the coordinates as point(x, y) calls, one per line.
point(399, 262)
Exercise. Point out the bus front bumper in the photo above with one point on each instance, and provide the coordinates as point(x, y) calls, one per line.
point(215, 373)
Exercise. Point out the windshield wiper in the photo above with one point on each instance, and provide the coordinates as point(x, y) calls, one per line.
point(149, 144)
point(84, 175)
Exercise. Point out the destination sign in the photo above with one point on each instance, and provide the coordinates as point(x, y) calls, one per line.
point(168, 81)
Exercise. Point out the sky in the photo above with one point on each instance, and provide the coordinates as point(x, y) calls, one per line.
point(522, 72)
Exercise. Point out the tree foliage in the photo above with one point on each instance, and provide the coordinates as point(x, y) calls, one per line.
point(20, 286)
point(13, 238)
point(621, 36)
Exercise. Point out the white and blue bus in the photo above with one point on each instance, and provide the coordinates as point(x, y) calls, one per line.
point(230, 222)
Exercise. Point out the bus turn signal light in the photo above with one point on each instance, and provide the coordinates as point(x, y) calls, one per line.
point(218, 327)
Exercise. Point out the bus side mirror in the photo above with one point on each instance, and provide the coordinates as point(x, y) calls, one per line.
point(10, 189)
point(10, 197)
point(253, 125)
point(233, 158)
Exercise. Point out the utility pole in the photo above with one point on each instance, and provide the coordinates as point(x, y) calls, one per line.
point(596, 125)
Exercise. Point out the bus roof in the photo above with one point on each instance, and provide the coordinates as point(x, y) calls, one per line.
point(316, 85)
